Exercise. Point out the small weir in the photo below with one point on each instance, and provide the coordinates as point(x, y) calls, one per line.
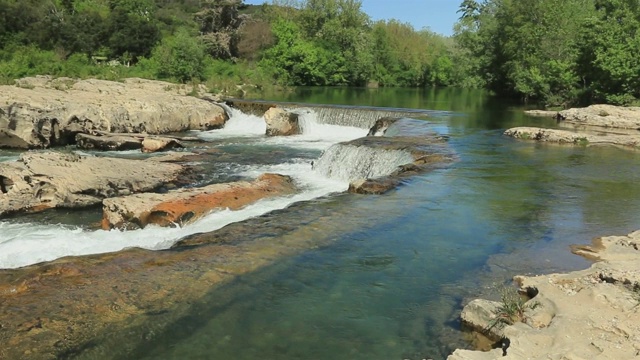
point(355, 116)
point(349, 162)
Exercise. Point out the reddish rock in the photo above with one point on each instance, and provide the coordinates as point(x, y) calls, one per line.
point(187, 205)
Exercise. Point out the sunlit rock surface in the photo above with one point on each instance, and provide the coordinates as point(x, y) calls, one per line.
point(42, 112)
point(183, 206)
point(44, 180)
point(588, 314)
point(573, 137)
point(281, 122)
point(608, 116)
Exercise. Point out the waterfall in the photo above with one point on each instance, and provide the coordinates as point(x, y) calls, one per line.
point(361, 117)
point(227, 109)
point(350, 162)
point(353, 116)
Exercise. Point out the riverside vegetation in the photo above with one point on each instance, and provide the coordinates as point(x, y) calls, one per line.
point(558, 54)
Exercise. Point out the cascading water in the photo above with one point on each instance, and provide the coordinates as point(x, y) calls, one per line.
point(349, 162)
point(238, 125)
point(24, 244)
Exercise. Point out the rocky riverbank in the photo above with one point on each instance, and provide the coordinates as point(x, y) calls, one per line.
point(42, 112)
point(591, 126)
point(588, 314)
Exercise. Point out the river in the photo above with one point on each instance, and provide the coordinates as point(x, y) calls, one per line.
point(390, 273)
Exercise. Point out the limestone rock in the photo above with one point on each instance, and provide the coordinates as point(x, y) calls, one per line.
point(479, 315)
point(281, 122)
point(156, 143)
point(42, 112)
point(572, 137)
point(586, 314)
point(608, 116)
point(43, 180)
point(187, 205)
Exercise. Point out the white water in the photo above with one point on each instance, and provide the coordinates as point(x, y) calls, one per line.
point(26, 244)
point(314, 135)
point(364, 162)
point(238, 125)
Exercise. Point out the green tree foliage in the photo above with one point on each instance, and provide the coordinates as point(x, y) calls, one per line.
point(181, 57)
point(332, 42)
point(296, 61)
point(133, 28)
point(609, 48)
point(559, 53)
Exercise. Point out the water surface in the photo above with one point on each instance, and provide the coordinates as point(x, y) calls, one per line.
point(393, 271)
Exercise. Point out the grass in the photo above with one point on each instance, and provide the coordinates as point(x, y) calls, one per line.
point(512, 308)
point(582, 141)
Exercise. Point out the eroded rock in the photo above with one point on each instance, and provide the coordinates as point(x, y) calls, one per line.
point(43, 180)
point(608, 116)
point(572, 137)
point(187, 205)
point(281, 122)
point(587, 314)
point(43, 112)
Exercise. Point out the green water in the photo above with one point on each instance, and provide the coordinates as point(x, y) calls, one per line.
point(392, 286)
point(394, 271)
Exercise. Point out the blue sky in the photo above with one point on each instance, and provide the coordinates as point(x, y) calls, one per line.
point(437, 15)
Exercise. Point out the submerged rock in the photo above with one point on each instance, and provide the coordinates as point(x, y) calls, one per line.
point(43, 180)
point(42, 112)
point(183, 206)
point(281, 122)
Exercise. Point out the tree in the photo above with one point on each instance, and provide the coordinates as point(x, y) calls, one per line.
point(181, 57)
point(609, 48)
point(132, 28)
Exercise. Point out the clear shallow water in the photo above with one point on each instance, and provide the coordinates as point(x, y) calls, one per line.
point(394, 270)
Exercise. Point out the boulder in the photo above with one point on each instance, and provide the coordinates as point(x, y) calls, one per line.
point(480, 315)
point(42, 112)
point(572, 137)
point(187, 205)
point(156, 143)
point(608, 116)
point(381, 126)
point(281, 122)
point(43, 180)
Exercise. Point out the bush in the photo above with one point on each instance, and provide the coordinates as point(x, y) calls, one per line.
point(181, 57)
